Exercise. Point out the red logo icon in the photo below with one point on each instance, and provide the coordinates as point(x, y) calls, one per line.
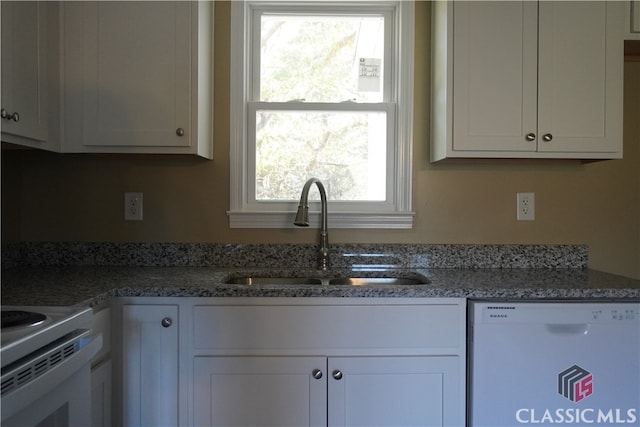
point(575, 383)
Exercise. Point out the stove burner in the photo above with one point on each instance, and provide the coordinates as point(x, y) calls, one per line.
point(21, 318)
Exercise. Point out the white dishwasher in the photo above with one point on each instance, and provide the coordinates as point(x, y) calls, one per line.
point(553, 363)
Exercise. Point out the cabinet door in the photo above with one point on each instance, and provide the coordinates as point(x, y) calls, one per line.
point(260, 391)
point(150, 365)
point(129, 72)
point(24, 69)
point(580, 76)
point(395, 391)
point(632, 11)
point(101, 395)
point(494, 76)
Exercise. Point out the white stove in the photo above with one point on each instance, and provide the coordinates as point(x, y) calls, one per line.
point(24, 332)
point(45, 354)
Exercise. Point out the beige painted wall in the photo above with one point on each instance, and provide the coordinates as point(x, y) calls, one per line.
point(49, 197)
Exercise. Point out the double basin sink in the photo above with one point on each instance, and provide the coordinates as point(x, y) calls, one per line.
point(364, 280)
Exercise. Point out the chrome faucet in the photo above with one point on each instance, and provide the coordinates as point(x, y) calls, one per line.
point(302, 219)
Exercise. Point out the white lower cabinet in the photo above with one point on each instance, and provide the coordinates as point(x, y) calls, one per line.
point(346, 362)
point(149, 365)
point(394, 391)
point(318, 391)
point(101, 395)
point(291, 362)
point(260, 391)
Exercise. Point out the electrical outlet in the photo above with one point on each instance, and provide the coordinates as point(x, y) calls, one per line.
point(526, 206)
point(133, 206)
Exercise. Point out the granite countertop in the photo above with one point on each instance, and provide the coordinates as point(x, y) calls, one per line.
point(91, 274)
point(95, 286)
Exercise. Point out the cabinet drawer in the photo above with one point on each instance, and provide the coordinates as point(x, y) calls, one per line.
point(309, 328)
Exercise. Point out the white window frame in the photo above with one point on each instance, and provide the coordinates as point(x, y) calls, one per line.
point(395, 212)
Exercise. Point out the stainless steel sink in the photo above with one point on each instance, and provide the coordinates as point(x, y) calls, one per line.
point(274, 281)
point(350, 281)
point(366, 281)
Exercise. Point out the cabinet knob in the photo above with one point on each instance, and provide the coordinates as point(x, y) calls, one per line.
point(547, 137)
point(530, 136)
point(317, 374)
point(180, 132)
point(337, 374)
point(166, 322)
point(5, 115)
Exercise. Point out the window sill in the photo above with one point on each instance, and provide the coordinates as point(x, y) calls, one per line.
point(386, 220)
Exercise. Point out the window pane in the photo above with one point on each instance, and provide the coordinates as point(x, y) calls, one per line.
point(345, 150)
point(321, 59)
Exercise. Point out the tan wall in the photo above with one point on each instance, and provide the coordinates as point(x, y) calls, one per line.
point(49, 197)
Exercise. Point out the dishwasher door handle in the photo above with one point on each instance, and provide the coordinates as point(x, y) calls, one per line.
point(568, 328)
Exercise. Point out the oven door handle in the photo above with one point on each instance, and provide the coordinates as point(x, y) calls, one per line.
point(21, 397)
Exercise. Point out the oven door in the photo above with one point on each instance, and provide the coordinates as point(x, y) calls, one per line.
point(59, 397)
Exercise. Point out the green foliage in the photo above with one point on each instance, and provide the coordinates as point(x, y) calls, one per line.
point(315, 60)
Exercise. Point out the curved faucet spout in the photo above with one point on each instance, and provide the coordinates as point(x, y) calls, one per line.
point(302, 218)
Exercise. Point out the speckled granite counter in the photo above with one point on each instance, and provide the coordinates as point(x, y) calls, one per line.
point(96, 286)
point(91, 274)
point(293, 255)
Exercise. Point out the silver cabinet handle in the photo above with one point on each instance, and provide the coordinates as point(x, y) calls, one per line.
point(547, 137)
point(180, 132)
point(337, 374)
point(530, 136)
point(5, 115)
point(317, 374)
point(166, 322)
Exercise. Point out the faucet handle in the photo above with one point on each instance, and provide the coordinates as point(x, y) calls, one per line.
point(324, 262)
point(324, 251)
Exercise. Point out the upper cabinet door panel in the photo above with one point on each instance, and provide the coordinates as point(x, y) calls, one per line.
point(632, 20)
point(580, 76)
point(24, 69)
point(136, 73)
point(495, 62)
point(527, 79)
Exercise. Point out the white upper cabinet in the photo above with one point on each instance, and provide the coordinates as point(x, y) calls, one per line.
point(494, 76)
point(29, 59)
point(138, 77)
point(527, 80)
point(632, 20)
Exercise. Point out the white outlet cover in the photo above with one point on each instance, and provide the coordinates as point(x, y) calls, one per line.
point(133, 206)
point(525, 206)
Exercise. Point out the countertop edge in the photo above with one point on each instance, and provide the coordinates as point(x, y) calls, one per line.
point(97, 286)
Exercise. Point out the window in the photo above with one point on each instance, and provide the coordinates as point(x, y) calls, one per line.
point(325, 90)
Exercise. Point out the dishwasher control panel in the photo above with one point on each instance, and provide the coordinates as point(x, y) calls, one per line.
point(628, 313)
point(556, 312)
